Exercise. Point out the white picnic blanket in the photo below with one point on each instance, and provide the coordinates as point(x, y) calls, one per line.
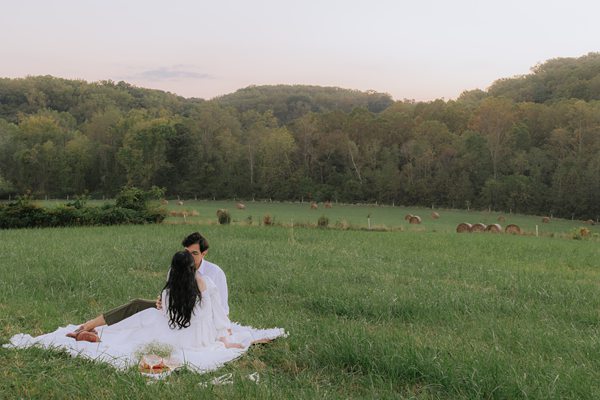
point(123, 355)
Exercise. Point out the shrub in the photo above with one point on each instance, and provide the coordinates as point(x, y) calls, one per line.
point(117, 216)
point(79, 201)
point(223, 216)
point(137, 199)
point(323, 222)
point(267, 219)
point(580, 233)
point(64, 216)
point(23, 213)
point(154, 215)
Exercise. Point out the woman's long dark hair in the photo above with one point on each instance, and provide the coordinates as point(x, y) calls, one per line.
point(182, 290)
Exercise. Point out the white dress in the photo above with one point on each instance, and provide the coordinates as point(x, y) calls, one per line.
point(196, 346)
point(207, 323)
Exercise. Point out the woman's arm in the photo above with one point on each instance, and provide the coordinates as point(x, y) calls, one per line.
point(220, 319)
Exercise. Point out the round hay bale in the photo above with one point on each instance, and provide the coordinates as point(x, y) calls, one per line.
point(501, 218)
point(494, 228)
point(328, 204)
point(546, 220)
point(240, 206)
point(164, 202)
point(195, 213)
point(415, 219)
point(512, 228)
point(435, 215)
point(589, 222)
point(313, 206)
point(180, 203)
point(407, 217)
point(479, 227)
point(463, 227)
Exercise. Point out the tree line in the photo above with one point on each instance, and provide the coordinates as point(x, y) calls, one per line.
point(528, 144)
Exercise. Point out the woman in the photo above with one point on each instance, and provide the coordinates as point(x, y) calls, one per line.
point(191, 316)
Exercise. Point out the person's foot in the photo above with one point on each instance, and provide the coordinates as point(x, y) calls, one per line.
point(79, 330)
point(75, 332)
point(88, 336)
point(89, 326)
point(234, 345)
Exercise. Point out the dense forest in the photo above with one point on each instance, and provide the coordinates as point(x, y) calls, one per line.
point(528, 144)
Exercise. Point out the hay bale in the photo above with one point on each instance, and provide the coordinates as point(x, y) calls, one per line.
point(415, 219)
point(512, 228)
point(494, 228)
point(546, 220)
point(180, 203)
point(313, 205)
point(463, 227)
point(589, 222)
point(164, 202)
point(501, 218)
point(194, 213)
point(407, 217)
point(479, 227)
point(240, 206)
point(584, 232)
point(173, 213)
point(328, 204)
point(435, 215)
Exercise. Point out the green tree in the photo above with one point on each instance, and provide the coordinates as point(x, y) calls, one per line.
point(274, 162)
point(143, 153)
point(495, 118)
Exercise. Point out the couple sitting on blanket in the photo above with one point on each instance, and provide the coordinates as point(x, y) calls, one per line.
point(192, 309)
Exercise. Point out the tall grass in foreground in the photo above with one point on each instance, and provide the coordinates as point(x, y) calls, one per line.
point(386, 315)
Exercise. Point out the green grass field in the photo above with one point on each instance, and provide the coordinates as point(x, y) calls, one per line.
point(380, 216)
point(419, 312)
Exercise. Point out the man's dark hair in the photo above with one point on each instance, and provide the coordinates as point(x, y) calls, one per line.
point(194, 238)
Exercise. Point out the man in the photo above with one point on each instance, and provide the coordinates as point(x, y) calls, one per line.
point(197, 245)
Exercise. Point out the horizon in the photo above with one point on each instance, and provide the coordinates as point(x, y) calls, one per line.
point(422, 52)
point(286, 84)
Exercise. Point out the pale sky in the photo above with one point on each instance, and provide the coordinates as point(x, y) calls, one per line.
point(417, 49)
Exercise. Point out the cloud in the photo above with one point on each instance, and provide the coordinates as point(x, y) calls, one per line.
point(169, 74)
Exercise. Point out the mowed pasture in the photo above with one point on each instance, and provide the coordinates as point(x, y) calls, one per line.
point(357, 216)
point(421, 312)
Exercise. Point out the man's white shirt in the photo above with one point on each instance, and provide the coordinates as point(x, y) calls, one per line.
point(218, 277)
